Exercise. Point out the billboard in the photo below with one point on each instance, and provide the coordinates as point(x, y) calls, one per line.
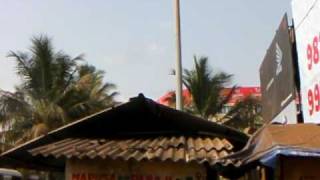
point(277, 79)
point(306, 16)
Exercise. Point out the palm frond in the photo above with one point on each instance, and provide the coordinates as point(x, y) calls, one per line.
point(55, 89)
point(205, 87)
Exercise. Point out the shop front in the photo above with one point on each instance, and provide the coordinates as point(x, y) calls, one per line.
point(138, 140)
point(278, 152)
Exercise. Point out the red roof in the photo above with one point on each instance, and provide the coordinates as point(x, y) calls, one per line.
point(239, 94)
point(165, 99)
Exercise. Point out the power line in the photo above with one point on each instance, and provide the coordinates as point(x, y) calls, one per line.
point(304, 18)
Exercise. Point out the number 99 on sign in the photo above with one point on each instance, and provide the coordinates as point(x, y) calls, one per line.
point(314, 100)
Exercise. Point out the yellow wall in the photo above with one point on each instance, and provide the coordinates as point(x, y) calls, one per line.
point(132, 170)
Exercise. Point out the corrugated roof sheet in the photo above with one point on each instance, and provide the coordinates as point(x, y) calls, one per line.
point(185, 149)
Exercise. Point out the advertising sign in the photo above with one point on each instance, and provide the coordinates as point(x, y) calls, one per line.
point(277, 79)
point(306, 16)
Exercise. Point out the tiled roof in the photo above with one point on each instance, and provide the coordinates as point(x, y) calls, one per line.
point(141, 120)
point(184, 149)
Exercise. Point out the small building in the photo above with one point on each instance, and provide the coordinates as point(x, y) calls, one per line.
point(138, 140)
point(277, 152)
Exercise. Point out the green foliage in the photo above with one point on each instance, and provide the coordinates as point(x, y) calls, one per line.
point(205, 87)
point(245, 115)
point(55, 89)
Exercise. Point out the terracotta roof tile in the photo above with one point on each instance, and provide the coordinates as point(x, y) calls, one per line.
point(180, 148)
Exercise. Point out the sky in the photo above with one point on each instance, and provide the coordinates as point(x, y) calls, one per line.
point(133, 41)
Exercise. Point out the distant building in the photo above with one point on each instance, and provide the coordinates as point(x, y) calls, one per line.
point(239, 94)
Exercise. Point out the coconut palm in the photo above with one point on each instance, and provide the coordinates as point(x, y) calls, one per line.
point(89, 93)
point(54, 90)
point(205, 88)
point(245, 115)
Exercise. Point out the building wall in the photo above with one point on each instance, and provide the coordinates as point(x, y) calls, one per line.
point(300, 168)
point(132, 170)
point(258, 173)
point(288, 168)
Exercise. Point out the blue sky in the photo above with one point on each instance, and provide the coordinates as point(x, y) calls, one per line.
point(133, 41)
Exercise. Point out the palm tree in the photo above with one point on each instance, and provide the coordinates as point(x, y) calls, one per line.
point(205, 88)
point(89, 93)
point(245, 115)
point(54, 90)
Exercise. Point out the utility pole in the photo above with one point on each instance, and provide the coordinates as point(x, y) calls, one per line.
point(178, 71)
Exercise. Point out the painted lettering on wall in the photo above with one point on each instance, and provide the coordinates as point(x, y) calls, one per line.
point(96, 176)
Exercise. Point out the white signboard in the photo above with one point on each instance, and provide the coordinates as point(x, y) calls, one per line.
point(306, 16)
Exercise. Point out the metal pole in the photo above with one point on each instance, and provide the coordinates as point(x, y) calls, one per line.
point(178, 57)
